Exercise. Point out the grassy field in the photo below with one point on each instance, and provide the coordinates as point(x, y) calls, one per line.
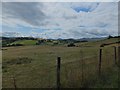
point(25, 42)
point(35, 66)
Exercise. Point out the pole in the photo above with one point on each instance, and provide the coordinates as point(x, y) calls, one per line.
point(115, 55)
point(14, 83)
point(58, 72)
point(100, 60)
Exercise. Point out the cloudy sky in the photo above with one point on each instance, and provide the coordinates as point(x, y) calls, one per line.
point(59, 19)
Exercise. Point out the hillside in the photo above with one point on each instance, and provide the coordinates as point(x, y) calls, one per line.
point(25, 42)
point(100, 42)
point(59, 42)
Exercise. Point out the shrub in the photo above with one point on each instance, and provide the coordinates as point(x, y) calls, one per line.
point(71, 45)
point(110, 36)
point(55, 43)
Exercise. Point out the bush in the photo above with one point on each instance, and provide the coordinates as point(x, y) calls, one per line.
point(40, 42)
point(110, 36)
point(55, 43)
point(71, 45)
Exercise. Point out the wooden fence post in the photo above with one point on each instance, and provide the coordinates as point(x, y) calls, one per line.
point(100, 60)
point(14, 83)
point(119, 57)
point(118, 66)
point(115, 57)
point(58, 72)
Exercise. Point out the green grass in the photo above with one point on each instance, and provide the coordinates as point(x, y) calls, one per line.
point(25, 42)
point(40, 72)
point(98, 43)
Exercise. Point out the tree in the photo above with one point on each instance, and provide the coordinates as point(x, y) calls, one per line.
point(110, 37)
point(71, 45)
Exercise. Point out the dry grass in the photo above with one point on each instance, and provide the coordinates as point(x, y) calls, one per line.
point(77, 69)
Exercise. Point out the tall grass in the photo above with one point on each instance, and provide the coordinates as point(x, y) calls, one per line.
point(79, 67)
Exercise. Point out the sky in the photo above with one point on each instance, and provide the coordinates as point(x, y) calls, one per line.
point(59, 19)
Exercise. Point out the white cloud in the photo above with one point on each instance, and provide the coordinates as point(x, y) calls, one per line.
point(11, 34)
point(59, 0)
point(75, 20)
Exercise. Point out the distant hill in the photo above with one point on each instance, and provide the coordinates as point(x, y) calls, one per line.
point(20, 41)
point(92, 39)
point(106, 41)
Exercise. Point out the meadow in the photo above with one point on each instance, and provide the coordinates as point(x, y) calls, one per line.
point(34, 66)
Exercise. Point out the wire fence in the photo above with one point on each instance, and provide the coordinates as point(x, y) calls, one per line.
point(73, 73)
